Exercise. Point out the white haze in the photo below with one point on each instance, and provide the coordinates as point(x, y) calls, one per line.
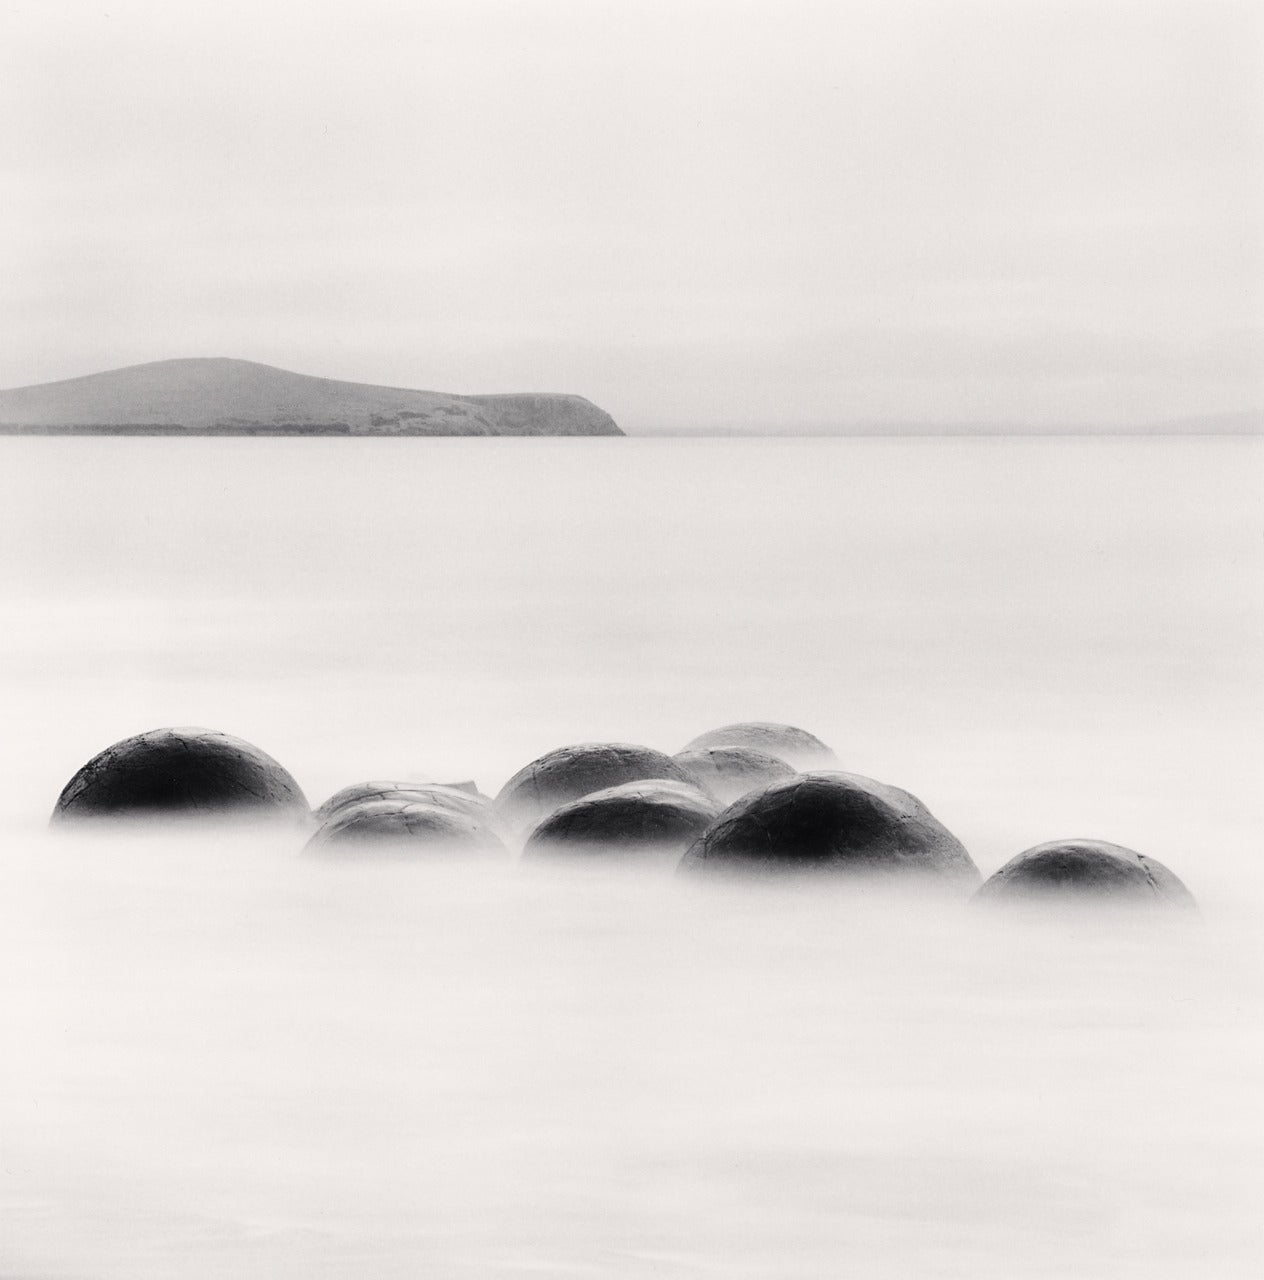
point(697, 214)
point(228, 1061)
point(223, 1059)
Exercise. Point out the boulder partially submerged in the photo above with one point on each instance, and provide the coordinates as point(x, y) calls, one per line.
point(181, 773)
point(571, 772)
point(728, 773)
point(1085, 870)
point(831, 822)
point(795, 746)
point(458, 797)
point(362, 792)
point(405, 828)
point(636, 817)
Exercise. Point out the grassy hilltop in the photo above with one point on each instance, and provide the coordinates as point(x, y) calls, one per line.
point(239, 397)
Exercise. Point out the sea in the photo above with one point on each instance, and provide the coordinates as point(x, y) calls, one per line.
point(220, 1059)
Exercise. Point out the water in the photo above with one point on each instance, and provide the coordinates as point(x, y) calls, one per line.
point(222, 1060)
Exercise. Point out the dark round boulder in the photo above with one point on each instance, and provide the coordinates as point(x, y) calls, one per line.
point(728, 773)
point(404, 827)
point(795, 746)
point(651, 816)
point(197, 773)
point(1085, 869)
point(452, 797)
point(571, 772)
point(836, 822)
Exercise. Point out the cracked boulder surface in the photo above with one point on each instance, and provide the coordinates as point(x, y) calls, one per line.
point(728, 773)
point(405, 828)
point(1085, 869)
point(664, 817)
point(569, 773)
point(795, 746)
point(831, 822)
point(360, 792)
point(184, 772)
point(444, 795)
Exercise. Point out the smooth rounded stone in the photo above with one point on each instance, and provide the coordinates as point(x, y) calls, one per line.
point(795, 746)
point(1085, 869)
point(184, 772)
point(571, 772)
point(835, 822)
point(455, 797)
point(728, 773)
point(663, 817)
point(404, 827)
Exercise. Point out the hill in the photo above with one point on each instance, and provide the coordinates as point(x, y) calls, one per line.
point(239, 397)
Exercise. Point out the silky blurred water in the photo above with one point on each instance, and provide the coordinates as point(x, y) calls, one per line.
point(220, 1059)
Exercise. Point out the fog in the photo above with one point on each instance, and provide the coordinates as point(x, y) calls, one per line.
point(222, 1057)
point(696, 214)
point(230, 1060)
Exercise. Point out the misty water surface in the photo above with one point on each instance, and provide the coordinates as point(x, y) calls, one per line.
point(223, 1060)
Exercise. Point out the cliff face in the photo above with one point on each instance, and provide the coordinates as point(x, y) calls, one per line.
point(546, 415)
point(238, 397)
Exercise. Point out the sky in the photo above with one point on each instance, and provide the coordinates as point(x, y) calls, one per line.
point(783, 216)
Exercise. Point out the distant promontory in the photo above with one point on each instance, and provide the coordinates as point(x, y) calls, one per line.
point(221, 397)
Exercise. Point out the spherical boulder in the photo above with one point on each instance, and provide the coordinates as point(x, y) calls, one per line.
point(835, 822)
point(795, 746)
point(181, 773)
point(452, 797)
point(571, 772)
point(728, 773)
point(635, 817)
point(404, 827)
point(1085, 870)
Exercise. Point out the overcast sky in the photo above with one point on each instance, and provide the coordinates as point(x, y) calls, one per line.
point(695, 214)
